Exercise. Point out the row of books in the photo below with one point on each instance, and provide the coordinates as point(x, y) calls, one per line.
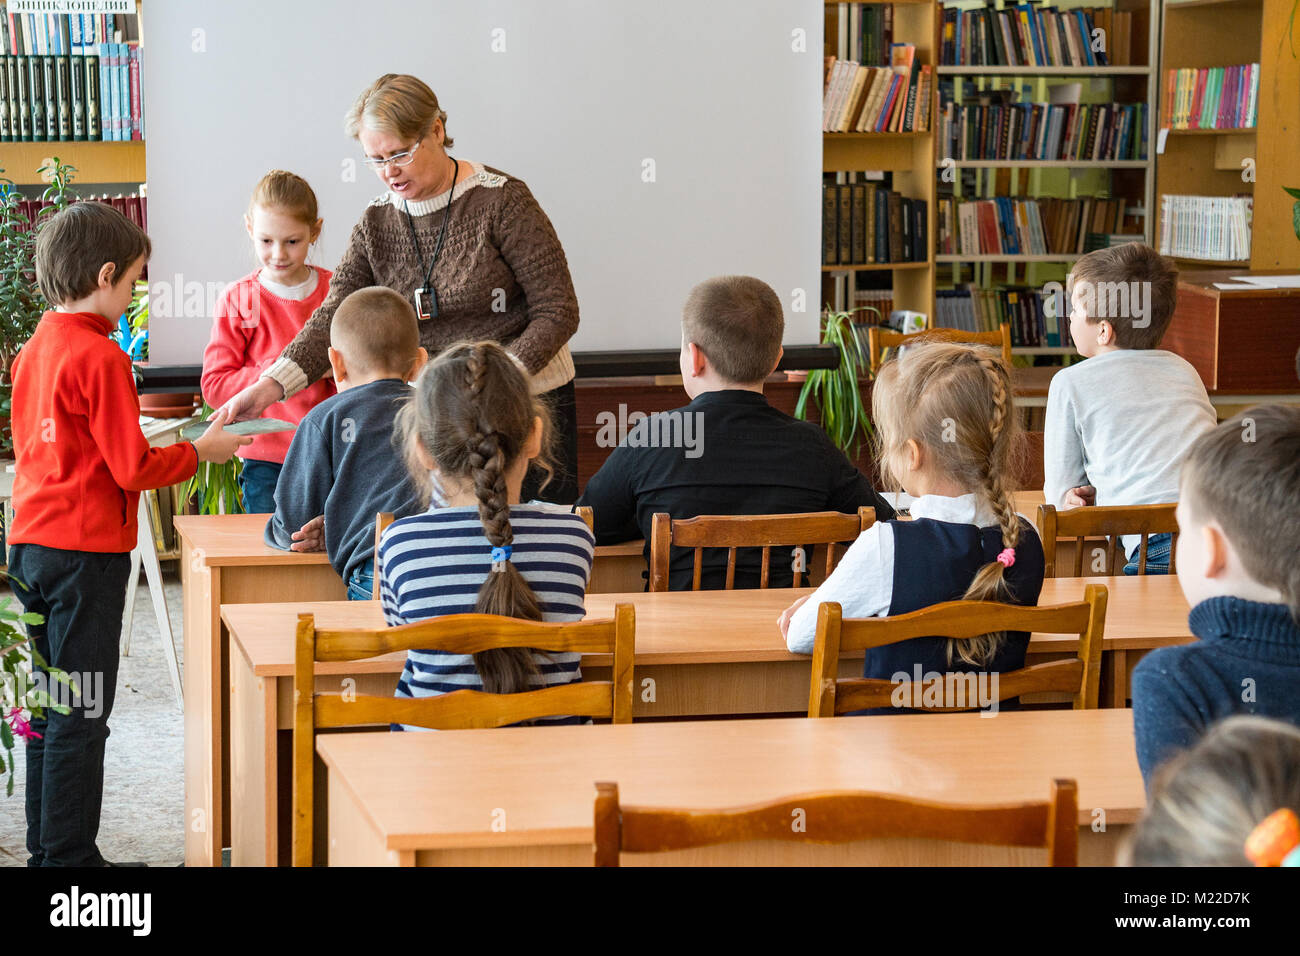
point(868, 29)
point(135, 207)
point(69, 77)
point(865, 223)
point(1206, 227)
point(882, 300)
point(1044, 131)
point(1033, 319)
point(1217, 97)
point(1029, 35)
point(1025, 227)
point(862, 99)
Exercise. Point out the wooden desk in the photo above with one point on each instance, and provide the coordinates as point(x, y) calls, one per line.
point(524, 796)
point(698, 654)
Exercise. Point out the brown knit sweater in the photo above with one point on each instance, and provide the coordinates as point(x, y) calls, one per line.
point(498, 239)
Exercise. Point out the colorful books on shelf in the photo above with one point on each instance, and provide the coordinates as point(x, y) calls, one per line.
point(877, 99)
point(1206, 227)
point(865, 223)
point(1030, 314)
point(1009, 226)
point(1001, 129)
point(135, 207)
point(70, 77)
point(1218, 97)
point(1029, 35)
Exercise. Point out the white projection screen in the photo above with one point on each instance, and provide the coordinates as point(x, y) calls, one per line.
point(575, 97)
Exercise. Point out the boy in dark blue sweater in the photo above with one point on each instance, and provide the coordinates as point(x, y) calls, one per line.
point(1239, 534)
point(344, 466)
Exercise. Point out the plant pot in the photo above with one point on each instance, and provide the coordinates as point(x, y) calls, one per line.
point(168, 404)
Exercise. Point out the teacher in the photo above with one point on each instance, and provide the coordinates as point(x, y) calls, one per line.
point(470, 249)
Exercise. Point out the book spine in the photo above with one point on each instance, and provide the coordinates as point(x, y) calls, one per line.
point(137, 102)
point(6, 134)
point(94, 120)
point(124, 90)
point(77, 93)
point(829, 228)
point(844, 241)
point(859, 223)
point(105, 94)
point(20, 97)
point(51, 98)
point(36, 97)
point(63, 95)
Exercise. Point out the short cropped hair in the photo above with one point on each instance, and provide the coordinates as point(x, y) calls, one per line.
point(737, 322)
point(1116, 275)
point(73, 245)
point(376, 330)
point(1245, 474)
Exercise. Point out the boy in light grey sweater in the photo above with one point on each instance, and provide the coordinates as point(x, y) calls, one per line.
point(1120, 424)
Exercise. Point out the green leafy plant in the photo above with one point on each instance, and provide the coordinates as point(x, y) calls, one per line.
point(835, 390)
point(217, 485)
point(20, 698)
point(1295, 208)
point(21, 302)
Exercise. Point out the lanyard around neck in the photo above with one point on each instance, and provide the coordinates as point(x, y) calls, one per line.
point(442, 233)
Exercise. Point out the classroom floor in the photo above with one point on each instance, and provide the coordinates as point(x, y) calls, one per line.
point(143, 814)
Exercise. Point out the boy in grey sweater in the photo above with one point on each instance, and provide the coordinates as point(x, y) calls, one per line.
point(344, 466)
point(1119, 425)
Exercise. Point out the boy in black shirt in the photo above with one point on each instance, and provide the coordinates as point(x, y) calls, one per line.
point(728, 452)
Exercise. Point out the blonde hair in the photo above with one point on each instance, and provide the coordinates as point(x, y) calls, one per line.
point(472, 413)
point(955, 402)
point(400, 104)
point(288, 193)
point(1206, 801)
point(377, 331)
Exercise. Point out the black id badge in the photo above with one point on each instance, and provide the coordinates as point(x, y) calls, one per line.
point(426, 304)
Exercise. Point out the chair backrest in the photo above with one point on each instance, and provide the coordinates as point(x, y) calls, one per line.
point(1106, 521)
point(840, 817)
point(879, 339)
point(749, 531)
point(454, 634)
point(586, 514)
point(382, 521)
point(1080, 676)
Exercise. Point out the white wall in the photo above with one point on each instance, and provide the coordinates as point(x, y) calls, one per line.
point(711, 90)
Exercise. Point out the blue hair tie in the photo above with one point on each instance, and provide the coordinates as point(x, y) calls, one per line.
point(500, 555)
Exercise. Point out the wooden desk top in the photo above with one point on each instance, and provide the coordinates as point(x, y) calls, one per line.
point(683, 627)
point(445, 789)
point(224, 540)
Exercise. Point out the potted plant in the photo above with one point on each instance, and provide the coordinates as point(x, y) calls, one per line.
point(836, 391)
point(217, 485)
point(20, 697)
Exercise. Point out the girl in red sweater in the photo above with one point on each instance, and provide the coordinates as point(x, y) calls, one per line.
point(260, 314)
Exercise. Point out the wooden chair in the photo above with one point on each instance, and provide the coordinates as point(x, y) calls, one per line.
point(749, 531)
point(455, 634)
point(382, 521)
point(1108, 522)
point(879, 339)
point(585, 513)
point(840, 817)
point(1080, 676)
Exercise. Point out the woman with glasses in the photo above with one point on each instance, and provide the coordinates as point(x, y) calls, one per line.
point(470, 249)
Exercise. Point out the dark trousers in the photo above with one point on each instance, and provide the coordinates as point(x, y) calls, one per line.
point(563, 486)
point(80, 594)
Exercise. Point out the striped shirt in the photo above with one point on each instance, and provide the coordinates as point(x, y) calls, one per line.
point(434, 563)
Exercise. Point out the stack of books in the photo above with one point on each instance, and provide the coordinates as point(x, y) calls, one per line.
point(1028, 35)
point(1206, 227)
point(1031, 317)
point(877, 99)
point(1031, 227)
point(864, 223)
point(1218, 97)
point(70, 77)
point(1043, 131)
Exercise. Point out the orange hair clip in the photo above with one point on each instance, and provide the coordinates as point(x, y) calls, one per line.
point(1275, 839)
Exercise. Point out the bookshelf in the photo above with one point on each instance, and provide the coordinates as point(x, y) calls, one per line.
point(1208, 162)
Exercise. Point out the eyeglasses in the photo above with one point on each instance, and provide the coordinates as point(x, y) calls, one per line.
point(397, 159)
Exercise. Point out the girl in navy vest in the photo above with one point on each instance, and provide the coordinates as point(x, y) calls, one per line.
point(946, 428)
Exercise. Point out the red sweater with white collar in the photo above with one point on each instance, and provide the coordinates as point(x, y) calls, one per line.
point(82, 459)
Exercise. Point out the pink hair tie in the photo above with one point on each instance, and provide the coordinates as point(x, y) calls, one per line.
point(1007, 557)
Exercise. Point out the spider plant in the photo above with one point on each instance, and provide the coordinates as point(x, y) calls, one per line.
point(835, 390)
point(217, 485)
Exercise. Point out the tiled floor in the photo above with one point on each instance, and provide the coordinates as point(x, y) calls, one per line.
point(143, 812)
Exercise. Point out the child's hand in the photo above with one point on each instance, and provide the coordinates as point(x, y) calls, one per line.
point(310, 537)
point(216, 444)
point(254, 400)
point(1081, 497)
point(783, 622)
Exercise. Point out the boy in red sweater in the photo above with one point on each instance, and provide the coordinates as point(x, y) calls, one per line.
point(82, 463)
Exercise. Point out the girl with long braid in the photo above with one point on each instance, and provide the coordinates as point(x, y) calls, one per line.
point(946, 429)
point(472, 427)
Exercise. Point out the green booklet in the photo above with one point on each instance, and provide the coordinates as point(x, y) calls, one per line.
point(254, 426)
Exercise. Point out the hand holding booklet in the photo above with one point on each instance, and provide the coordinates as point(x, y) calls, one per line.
point(254, 426)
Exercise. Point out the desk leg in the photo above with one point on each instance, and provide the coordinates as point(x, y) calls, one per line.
point(203, 706)
point(1118, 679)
point(253, 763)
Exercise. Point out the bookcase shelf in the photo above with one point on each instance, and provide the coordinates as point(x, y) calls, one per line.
point(1044, 163)
point(877, 267)
point(1229, 131)
point(1044, 70)
point(957, 258)
point(96, 162)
